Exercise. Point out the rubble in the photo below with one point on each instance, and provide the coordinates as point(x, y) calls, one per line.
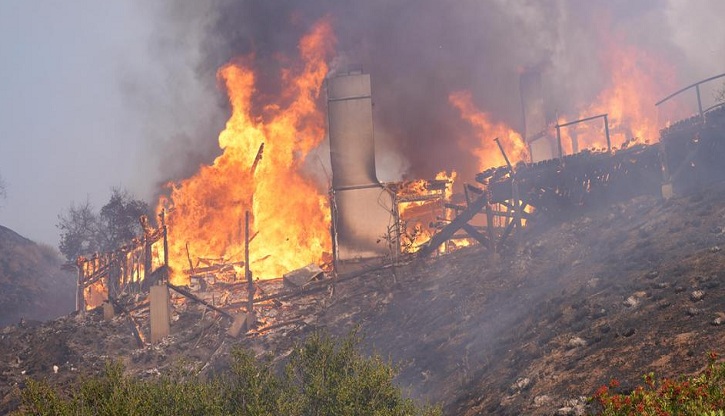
point(300, 278)
point(577, 342)
point(697, 295)
point(511, 321)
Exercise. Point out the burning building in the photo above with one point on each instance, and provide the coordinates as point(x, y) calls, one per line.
point(257, 213)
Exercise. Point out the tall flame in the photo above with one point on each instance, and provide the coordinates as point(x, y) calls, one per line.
point(487, 150)
point(260, 171)
point(637, 78)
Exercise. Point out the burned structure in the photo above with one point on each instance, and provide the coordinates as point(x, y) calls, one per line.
point(133, 268)
point(387, 221)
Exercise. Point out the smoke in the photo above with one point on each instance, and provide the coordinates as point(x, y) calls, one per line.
point(418, 52)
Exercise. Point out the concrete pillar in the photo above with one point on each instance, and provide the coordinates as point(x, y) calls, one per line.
point(108, 312)
point(667, 190)
point(159, 311)
point(239, 325)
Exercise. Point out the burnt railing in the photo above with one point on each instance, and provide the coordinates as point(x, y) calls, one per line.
point(132, 268)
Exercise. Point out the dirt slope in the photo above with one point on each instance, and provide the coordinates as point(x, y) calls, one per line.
point(32, 286)
point(626, 289)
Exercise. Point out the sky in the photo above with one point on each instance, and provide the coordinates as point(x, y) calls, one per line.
point(101, 94)
point(65, 129)
point(77, 81)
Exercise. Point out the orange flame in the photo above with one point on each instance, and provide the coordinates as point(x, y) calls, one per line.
point(637, 79)
point(289, 217)
point(421, 207)
point(487, 151)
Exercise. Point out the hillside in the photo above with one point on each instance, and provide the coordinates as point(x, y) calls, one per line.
point(612, 293)
point(32, 286)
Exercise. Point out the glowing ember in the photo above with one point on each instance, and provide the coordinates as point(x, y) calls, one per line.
point(290, 216)
point(487, 151)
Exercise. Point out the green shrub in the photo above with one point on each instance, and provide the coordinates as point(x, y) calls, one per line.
point(700, 395)
point(322, 377)
point(328, 378)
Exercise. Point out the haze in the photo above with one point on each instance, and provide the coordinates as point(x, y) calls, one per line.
point(101, 94)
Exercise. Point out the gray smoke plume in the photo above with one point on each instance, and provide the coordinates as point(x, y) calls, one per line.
point(418, 52)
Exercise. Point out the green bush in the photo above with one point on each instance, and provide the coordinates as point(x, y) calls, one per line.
point(322, 377)
point(703, 395)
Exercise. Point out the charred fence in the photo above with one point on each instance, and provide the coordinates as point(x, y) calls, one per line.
point(689, 155)
point(133, 268)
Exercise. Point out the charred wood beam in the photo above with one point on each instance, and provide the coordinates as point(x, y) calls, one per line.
point(94, 278)
point(503, 152)
point(419, 198)
point(133, 324)
point(321, 285)
point(188, 257)
point(505, 235)
point(525, 215)
point(474, 189)
point(218, 268)
point(455, 225)
point(282, 324)
point(247, 272)
point(454, 206)
point(258, 158)
point(473, 232)
point(195, 298)
point(509, 228)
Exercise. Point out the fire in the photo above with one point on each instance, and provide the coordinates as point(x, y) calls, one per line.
point(260, 171)
point(420, 206)
point(487, 151)
point(637, 78)
point(450, 179)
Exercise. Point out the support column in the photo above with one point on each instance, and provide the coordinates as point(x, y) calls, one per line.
point(159, 313)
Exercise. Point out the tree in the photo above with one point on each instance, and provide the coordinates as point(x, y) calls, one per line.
point(83, 231)
point(119, 219)
point(78, 231)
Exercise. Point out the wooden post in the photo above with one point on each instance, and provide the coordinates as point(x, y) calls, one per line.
point(518, 206)
point(166, 240)
point(188, 257)
point(248, 273)
point(505, 157)
point(606, 131)
point(146, 258)
point(558, 140)
point(491, 230)
point(80, 292)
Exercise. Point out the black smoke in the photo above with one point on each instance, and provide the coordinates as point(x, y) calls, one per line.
point(419, 51)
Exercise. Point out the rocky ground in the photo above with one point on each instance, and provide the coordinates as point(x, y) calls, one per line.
point(613, 293)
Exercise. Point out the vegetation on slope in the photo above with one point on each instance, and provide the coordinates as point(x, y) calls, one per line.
point(703, 394)
point(322, 377)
